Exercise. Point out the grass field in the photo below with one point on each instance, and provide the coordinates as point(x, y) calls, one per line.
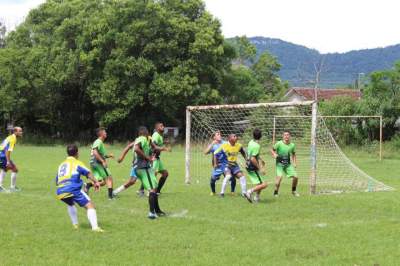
point(345, 229)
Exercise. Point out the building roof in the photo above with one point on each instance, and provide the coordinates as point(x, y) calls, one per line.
point(323, 94)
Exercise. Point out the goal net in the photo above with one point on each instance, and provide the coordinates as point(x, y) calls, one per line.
point(321, 163)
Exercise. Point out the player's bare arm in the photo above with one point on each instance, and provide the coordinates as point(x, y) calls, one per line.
point(99, 157)
point(140, 153)
point(125, 151)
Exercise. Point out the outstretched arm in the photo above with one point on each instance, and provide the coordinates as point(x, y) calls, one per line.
point(242, 151)
point(125, 151)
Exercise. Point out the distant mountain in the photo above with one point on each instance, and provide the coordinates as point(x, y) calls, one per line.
point(339, 69)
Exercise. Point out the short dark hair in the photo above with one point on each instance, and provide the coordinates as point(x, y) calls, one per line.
point(98, 130)
point(72, 149)
point(142, 130)
point(257, 134)
point(287, 131)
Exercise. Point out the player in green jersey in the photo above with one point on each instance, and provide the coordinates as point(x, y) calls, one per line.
point(284, 151)
point(255, 167)
point(98, 162)
point(158, 166)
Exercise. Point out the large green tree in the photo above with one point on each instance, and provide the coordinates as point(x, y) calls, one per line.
point(75, 63)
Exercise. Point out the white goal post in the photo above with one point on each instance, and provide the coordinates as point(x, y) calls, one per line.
point(321, 160)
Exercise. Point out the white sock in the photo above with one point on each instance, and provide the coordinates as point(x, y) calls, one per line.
point(92, 216)
point(13, 180)
point(119, 190)
point(2, 175)
point(224, 183)
point(73, 214)
point(243, 184)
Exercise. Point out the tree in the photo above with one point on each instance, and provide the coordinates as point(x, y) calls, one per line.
point(245, 50)
point(117, 63)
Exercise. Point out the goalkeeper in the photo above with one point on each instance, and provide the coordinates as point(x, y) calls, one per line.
point(284, 151)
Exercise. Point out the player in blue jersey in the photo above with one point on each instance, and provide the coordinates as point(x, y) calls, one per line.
point(6, 148)
point(69, 187)
point(218, 165)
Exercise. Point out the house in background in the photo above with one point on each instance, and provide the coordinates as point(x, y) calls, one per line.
point(297, 94)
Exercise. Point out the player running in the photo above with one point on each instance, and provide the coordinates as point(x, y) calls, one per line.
point(220, 167)
point(144, 171)
point(158, 166)
point(69, 188)
point(98, 162)
point(231, 149)
point(284, 151)
point(6, 148)
point(255, 167)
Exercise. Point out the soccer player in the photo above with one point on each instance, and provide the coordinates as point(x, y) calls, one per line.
point(133, 176)
point(158, 166)
point(254, 167)
point(284, 151)
point(143, 152)
point(231, 149)
point(6, 148)
point(220, 167)
point(98, 163)
point(69, 187)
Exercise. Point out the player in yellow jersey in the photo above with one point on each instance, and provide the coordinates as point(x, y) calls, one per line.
point(69, 187)
point(231, 150)
point(6, 148)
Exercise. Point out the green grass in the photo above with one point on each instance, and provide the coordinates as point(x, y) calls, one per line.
point(346, 229)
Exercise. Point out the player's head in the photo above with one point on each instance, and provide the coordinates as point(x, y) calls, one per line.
point(142, 131)
point(101, 132)
point(17, 131)
point(257, 134)
point(286, 136)
point(72, 150)
point(159, 127)
point(217, 136)
point(232, 139)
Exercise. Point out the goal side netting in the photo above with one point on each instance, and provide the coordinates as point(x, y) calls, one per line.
point(321, 162)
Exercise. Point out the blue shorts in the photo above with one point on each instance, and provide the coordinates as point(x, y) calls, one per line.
point(3, 163)
point(133, 173)
point(232, 170)
point(76, 196)
point(219, 170)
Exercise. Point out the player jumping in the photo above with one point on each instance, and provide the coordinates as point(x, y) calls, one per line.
point(220, 167)
point(6, 148)
point(284, 151)
point(69, 187)
point(254, 167)
point(231, 149)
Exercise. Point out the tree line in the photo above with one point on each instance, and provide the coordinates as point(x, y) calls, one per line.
point(72, 66)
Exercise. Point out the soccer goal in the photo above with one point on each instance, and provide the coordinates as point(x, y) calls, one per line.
point(320, 159)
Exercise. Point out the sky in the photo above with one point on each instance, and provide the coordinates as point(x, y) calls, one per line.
point(325, 25)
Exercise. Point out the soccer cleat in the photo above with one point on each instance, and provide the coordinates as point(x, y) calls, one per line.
point(212, 194)
point(247, 195)
point(75, 226)
point(221, 195)
point(140, 193)
point(98, 230)
point(152, 216)
point(256, 198)
point(295, 194)
point(3, 190)
point(161, 214)
point(15, 189)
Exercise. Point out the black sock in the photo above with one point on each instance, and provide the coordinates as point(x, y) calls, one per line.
point(293, 189)
point(276, 192)
point(161, 183)
point(141, 187)
point(212, 185)
point(233, 184)
point(110, 193)
point(156, 206)
point(152, 202)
